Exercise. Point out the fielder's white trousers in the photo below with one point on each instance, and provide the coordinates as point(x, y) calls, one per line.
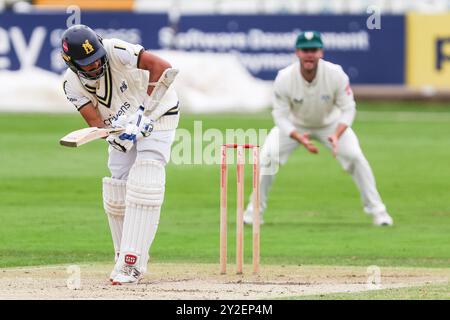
point(278, 147)
point(157, 146)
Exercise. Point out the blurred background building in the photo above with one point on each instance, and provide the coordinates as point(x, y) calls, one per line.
point(241, 6)
point(229, 51)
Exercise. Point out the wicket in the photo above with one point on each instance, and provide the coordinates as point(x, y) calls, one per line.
point(240, 207)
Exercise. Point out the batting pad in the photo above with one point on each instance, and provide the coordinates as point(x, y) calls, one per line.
point(114, 192)
point(145, 195)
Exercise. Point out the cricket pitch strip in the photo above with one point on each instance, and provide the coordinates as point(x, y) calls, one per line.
point(173, 281)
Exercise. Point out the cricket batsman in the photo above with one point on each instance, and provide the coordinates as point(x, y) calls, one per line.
point(110, 82)
point(313, 100)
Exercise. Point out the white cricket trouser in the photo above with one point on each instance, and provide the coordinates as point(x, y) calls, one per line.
point(278, 147)
point(157, 146)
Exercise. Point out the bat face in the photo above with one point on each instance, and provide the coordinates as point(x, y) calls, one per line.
point(79, 137)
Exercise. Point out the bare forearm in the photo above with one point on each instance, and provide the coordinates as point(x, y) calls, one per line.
point(91, 116)
point(155, 65)
point(296, 136)
point(340, 130)
point(95, 123)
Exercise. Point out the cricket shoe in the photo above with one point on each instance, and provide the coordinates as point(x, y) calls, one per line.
point(382, 219)
point(127, 271)
point(127, 275)
point(248, 218)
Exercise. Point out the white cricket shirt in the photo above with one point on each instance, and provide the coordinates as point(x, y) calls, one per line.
point(328, 98)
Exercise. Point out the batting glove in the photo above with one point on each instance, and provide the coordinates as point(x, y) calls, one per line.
point(135, 124)
point(125, 141)
point(143, 123)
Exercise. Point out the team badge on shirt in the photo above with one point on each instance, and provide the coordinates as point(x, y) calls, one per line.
point(123, 86)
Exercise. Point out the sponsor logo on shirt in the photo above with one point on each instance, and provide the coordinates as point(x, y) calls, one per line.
point(325, 97)
point(298, 101)
point(122, 111)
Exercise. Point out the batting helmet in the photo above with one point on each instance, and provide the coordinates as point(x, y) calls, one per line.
point(81, 46)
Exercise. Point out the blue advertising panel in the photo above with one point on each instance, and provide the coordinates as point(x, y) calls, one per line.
point(34, 39)
point(265, 43)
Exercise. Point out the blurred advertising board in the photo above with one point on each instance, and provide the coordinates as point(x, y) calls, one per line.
point(428, 50)
point(28, 40)
point(265, 43)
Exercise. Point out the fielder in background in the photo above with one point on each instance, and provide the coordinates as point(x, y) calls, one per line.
point(313, 100)
point(110, 82)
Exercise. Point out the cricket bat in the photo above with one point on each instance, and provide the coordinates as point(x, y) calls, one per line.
point(79, 137)
point(159, 90)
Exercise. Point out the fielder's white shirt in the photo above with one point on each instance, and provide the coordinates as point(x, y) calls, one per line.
point(122, 89)
point(325, 100)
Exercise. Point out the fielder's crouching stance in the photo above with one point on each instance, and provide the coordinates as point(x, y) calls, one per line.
point(111, 83)
point(313, 99)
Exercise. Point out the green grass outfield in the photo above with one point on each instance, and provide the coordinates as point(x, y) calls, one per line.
point(51, 204)
point(427, 292)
